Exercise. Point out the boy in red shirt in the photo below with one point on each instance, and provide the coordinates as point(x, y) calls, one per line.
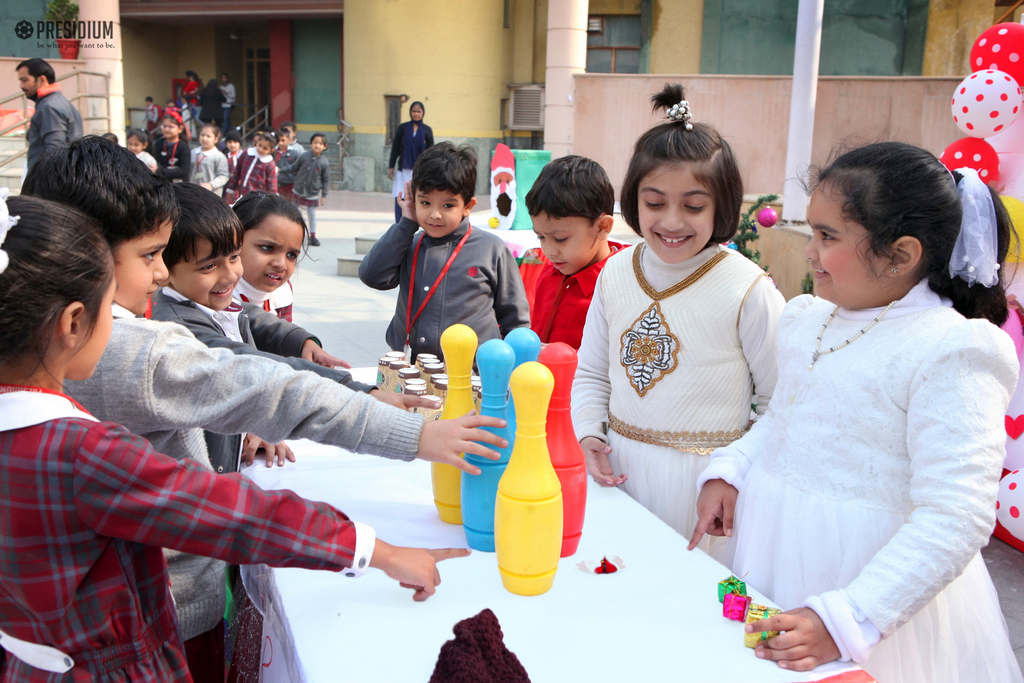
point(571, 205)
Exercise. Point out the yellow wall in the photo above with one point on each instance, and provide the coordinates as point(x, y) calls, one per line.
point(953, 26)
point(150, 62)
point(676, 29)
point(614, 7)
point(455, 61)
point(540, 39)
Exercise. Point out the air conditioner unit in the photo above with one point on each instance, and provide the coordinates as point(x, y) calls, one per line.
point(526, 107)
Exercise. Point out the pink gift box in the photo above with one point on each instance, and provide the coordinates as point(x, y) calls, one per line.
point(734, 606)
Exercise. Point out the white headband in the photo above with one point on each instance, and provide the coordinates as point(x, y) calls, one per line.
point(7, 221)
point(975, 253)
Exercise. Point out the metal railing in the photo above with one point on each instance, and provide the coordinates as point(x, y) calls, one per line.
point(78, 101)
point(344, 130)
point(259, 120)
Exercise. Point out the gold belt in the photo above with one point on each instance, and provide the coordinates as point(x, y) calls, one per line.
point(701, 443)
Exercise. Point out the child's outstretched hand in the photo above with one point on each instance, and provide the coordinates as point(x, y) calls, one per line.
point(443, 440)
point(275, 451)
point(414, 568)
point(596, 452)
point(311, 351)
point(403, 401)
point(716, 505)
point(407, 203)
point(805, 644)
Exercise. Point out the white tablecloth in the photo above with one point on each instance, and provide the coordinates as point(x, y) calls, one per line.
point(658, 619)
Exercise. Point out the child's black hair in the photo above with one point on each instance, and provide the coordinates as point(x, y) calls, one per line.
point(314, 136)
point(893, 190)
point(254, 207)
point(149, 99)
point(110, 136)
point(57, 256)
point(268, 135)
point(711, 160)
point(572, 186)
point(108, 184)
point(446, 167)
point(141, 135)
point(212, 126)
point(204, 216)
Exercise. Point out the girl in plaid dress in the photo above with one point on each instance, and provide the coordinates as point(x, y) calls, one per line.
point(85, 506)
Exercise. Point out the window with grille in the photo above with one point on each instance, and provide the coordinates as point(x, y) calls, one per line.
point(613, 44)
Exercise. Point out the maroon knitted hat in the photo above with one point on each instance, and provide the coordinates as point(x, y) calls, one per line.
point(478, 655)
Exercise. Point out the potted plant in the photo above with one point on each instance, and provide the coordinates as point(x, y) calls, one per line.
point(62, 11)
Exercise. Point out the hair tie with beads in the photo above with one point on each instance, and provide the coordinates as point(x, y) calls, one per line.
point(7, 221)
point(681, 113)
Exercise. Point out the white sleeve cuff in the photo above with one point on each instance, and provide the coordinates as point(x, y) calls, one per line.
point(366, 538)
point(722, 467)
point(853, 632)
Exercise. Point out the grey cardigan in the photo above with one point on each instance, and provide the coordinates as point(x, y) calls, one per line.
point(312, 175)
point(157, 380)
point(483, 288)
point(210, 167)
point(262, 333)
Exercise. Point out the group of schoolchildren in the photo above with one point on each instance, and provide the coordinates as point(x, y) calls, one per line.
point(844, 451)
point(274, 162)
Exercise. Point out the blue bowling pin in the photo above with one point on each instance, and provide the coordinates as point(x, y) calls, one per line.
point(494, 360)
point(526, 344)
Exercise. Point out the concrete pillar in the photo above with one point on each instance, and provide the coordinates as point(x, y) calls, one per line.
point(566, 56)
point(801, 107)
point(103, 55)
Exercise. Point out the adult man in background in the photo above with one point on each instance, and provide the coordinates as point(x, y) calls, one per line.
point(56, 121)
point(228, 88)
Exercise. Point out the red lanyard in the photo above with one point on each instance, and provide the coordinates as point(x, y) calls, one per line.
point(410, 319)
point(14, 388)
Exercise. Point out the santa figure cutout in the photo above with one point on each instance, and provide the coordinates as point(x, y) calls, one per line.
point(503, 188)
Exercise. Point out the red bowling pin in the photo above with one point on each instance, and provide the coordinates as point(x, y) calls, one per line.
point(566, 455)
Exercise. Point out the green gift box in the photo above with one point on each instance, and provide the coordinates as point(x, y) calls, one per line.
point(731, 585)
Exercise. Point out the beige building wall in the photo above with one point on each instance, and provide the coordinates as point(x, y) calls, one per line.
point(150, 61)
point(752, 113)
point(676, 32)
point(953, 26)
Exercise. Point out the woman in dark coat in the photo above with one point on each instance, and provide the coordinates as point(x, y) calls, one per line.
point(211, 101)
point(411, 138)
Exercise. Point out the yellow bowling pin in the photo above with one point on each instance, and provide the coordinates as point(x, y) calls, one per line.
point(528, 511)
point(458, 343)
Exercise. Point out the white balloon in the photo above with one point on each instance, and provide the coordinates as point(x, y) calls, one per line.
point(1010, 504)
point(985, 103)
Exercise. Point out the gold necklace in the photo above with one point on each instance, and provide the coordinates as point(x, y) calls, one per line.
point(817, 344)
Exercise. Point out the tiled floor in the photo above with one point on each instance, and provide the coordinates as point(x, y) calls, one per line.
point(351, 319)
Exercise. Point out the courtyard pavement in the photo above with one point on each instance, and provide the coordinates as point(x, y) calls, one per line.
point(351, 319)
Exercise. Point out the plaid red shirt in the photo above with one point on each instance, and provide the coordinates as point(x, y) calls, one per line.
point(263, 176)
point(85, 508)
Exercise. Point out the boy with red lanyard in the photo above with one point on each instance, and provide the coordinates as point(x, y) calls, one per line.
point(449, 273)
point(571, 204)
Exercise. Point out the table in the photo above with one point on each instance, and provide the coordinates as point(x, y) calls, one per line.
point(658, 619)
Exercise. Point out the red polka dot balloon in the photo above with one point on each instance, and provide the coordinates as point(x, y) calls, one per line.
point(973, 153)
point(1000, 48)
point(985, 103)
point(1010, 504)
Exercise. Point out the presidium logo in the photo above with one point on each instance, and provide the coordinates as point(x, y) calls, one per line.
point(65, 30)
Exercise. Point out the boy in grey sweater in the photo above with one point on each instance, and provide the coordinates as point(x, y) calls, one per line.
point(161, 383)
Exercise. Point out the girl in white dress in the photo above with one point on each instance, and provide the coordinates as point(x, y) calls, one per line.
point(680, 335)
point(869, 487)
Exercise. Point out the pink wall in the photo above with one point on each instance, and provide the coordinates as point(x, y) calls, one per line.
point(752, 113)
point(282, 80)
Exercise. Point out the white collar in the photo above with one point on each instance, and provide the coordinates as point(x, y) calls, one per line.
point(254, 295)
point(120, 311)
point(920, 298)
point(19, 409)
point(266, 158)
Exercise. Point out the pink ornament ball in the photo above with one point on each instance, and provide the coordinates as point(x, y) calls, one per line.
point(767, 217)
point(973, 153)
point(1000, 47)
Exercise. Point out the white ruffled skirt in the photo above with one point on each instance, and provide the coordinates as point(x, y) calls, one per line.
point(663, 480)
point(790, 544)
